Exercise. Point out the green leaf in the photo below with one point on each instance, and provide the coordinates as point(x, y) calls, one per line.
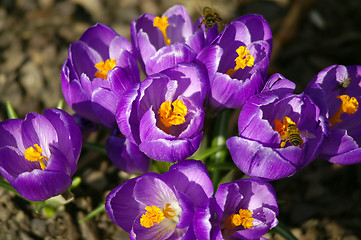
point(10, 111)
point(284, 231)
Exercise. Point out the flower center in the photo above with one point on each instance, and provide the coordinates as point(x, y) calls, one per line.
point(162, 24)
point(104, 68)
point(288, 131)
point(156, 215)
point(169, 117)
point(348, 105)
point(34, 155)
point(244, 59)
point(244, 218)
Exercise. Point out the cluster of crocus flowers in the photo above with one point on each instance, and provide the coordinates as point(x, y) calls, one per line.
point(161, 206)
point(340, 91)
point(39, 154)
point(244, 209)
point(191, 71)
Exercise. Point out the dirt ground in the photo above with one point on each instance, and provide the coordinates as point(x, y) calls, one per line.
point(322, 201)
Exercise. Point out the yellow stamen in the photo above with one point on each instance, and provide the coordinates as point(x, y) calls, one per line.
point(34, 155)
point(348, 105)
point(162, 24)
point(153, 215)
point(244, 59)
point(169, 117)
point(168, 211)
point(104, 68)
point(244, 218)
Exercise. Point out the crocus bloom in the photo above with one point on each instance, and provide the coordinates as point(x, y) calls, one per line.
point(340, 87)
point(126, 155)
point(163, 114)
point(237, 61)
point(38, 155)
point(162, 42)
point(278, 135)
point(155, 206)
point(100, 66)
point(244, 209)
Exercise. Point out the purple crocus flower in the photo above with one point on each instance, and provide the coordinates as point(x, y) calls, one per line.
point(340, 88)
point(155, 206)
point(163, 114)
point(278, 135)
point(237, 61)
point(39, 155)
point(244, 209)
point(126, 155)
point(162, 42)
point(99, 68)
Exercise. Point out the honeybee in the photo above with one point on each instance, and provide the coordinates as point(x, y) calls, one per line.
point(294, 136)
point(210, 17)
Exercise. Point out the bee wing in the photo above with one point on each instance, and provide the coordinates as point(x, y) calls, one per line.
point(305, 134)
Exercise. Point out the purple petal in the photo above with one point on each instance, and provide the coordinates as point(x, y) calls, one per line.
point(126, 155)
point(36, 129)
point(59, 163)
point(10, 134)
point(69, 135)
point(83, 58)
point(180, 24)
point(121, 206)
point(171, 150)
point(211, 57)
point(258, 27)
point(104, 104)
point(99, 38)
point(169, 56)
point(255, 160)
point(118, 44)
point(152, 191)
point(157, 231)
point(187, 206)
point(191, 178)
point(278, 84)
point(40, 185)
point(120, 81)
point(13, 163)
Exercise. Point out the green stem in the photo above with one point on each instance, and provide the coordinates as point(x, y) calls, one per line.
point(95, 147)
point(208, 152)
point(219, 139)
point(95, 212)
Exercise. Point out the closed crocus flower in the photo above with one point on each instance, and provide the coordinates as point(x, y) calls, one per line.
point(163, 41)
point(38, 155)
point(100, 66)
point(237, 61)
point(155, 206)
point(340, 88)
point(126, 155)
point(244, 209)
point(277, 135)
point(163, 114)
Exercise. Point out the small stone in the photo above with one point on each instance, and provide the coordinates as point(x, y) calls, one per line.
point(31, 79)
point(38, 227)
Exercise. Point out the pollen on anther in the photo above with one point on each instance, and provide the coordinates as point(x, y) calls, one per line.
point(104, 68)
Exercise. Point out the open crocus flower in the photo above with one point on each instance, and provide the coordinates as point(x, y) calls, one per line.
point(162, 42)
point(340, 87)
point(237, 61)
point(38, 155)
point(126, 155)
point(99, 68)
point(163, 114)
point(155, 206)
point(244, 209)
point(277, 135)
